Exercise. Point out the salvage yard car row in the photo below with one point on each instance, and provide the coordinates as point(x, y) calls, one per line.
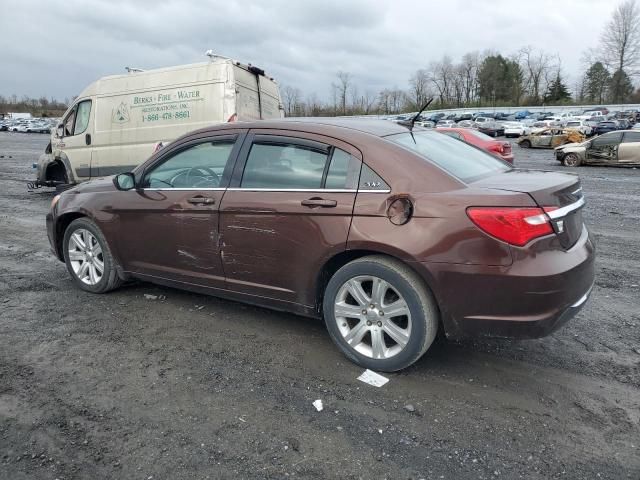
point(29, 125)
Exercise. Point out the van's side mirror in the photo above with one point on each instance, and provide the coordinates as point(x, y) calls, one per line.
point(125, 181)
point(60, 131)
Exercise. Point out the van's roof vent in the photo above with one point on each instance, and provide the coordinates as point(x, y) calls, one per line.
point(133, 69)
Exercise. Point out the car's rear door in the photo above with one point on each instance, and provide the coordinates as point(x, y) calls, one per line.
point(629, 150)
point(287, 211)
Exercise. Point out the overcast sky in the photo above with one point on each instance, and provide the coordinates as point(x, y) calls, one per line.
point(56, 48)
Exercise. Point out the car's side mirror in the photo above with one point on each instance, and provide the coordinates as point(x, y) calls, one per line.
point(125, 181)
point(60, 131)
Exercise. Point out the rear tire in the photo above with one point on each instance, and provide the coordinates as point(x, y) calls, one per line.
point(375, 340)
point(88, 258)
point(571, 160)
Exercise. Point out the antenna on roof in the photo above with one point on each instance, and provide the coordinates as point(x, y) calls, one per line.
point(133, 69)
point(409, 123)
point(209, 53)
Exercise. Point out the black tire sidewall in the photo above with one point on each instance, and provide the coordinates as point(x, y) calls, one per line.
point(414, 348)
point(86, 224)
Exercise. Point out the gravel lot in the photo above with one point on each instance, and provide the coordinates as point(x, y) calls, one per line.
point(188, 386)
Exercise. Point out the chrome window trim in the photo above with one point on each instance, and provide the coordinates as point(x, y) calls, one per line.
point(311, 190)
point(239, 189)
point(189, 189)
point(561, 212)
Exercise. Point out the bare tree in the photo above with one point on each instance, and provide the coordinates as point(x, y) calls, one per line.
point(620, 40)
point(291, 97)
point(419, 91)
point(536, 66)
point(344, 82)
point(469, 70)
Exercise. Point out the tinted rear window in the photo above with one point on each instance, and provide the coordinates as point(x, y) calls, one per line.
point(457, 158)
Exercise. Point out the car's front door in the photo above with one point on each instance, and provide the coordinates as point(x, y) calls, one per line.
point(629, 150)
point(287, 211)
point(168, 227)
point(604, 149)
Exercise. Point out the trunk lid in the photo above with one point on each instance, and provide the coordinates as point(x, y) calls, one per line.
point(559, 194)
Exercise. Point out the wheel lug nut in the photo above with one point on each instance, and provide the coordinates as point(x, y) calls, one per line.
point(372, 306)
point(381, 313)
point(379, 324)
point(364, 311)
point(368, 323)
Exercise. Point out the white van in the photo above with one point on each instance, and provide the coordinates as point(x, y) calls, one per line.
point(118, 121)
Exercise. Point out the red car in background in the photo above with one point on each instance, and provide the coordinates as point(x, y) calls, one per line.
point(499, 148)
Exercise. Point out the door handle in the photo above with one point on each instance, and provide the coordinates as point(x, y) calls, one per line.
point(87, 139)
point(201, 200)
point(318, 202)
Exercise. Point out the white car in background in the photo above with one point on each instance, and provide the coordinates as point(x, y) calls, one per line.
point(515, 129)
point(542, 125)
point(580, 125)
point(446, 124)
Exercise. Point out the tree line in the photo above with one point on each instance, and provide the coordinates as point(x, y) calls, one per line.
point(528, 77)
point(40, 107)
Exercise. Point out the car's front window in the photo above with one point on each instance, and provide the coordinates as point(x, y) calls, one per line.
point(200, 166)
point(459, 159)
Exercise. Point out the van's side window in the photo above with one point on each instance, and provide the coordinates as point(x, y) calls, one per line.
point(82, 117)
point(69, 122)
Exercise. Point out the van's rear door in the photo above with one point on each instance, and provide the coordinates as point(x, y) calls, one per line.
point(257, 96)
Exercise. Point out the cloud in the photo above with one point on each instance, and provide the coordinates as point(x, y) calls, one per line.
point(57, 48)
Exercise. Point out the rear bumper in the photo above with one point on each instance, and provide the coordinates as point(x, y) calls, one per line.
point(529, 299)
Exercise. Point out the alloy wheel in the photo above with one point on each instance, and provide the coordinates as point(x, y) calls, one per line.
point(372, 317)
point(86, 257)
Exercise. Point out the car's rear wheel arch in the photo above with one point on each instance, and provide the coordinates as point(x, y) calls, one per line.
point(339, 260)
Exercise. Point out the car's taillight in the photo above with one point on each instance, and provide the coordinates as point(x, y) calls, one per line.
point(514, 225)
point(496, 147)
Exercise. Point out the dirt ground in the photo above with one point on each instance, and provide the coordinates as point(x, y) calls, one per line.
point(188, 386)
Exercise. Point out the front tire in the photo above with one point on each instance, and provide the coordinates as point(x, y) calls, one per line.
point(88, 258)
point(571, 160)
point(525, 144)
point(380, 313)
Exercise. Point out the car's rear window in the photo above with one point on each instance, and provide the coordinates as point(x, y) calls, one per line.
point(457, 158)
point(480, 135)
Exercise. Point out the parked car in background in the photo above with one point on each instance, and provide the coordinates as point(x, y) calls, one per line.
point(592, 115)
point(474, 137)
point(522, 114)
point(550, 138)
point(445, 123)
point(605, 127)
point(416, 232)
point(542, 125)
point(466, 124)
point(617, 148)
point(515, 129)
point(426, 124)
point(580, 125)
point(491, 128)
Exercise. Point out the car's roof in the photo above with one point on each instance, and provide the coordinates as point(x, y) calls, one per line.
point(379, 128)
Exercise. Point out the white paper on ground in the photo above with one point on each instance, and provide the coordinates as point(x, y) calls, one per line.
point(373, 378)
point(318, 405)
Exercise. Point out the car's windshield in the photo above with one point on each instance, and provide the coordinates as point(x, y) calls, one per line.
point(457, 158)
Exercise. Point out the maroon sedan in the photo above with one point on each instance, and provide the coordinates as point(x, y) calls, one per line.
point(386, 233)
point(498, 148)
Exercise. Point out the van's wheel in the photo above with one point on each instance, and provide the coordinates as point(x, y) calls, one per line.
point(380, 313)
point(525, 144)
point(571, 160)
point(88, 258)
